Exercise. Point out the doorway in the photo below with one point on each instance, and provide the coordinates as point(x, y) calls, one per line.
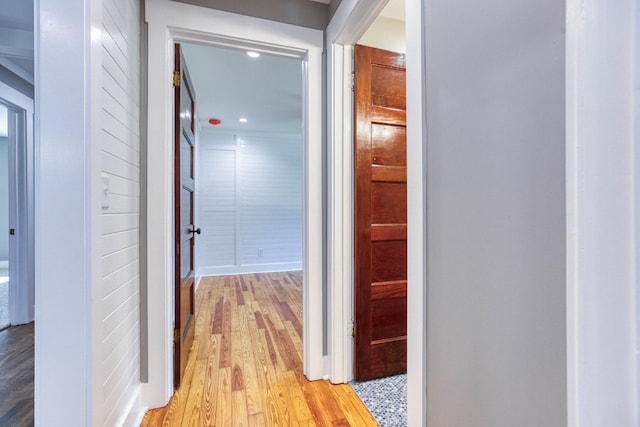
point(16, 214)
point(249, 160)
point(360, 25)
point(16, 257)
point(4, 218)
point(349, 22)
point(172, 21)
point(248, 169)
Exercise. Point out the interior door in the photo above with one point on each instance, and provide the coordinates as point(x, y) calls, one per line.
point(184, 184)
point(380, 214)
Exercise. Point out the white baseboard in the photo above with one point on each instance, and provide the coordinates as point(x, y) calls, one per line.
point(136, 412)
point(249, 269)
point(197, 279)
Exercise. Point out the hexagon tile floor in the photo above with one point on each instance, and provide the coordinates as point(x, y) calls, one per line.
point(386, 399)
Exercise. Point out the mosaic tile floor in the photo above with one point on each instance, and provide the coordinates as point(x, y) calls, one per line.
point(386, 399)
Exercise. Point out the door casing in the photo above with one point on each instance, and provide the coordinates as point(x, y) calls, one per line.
point(171, 22)
point(348, 24)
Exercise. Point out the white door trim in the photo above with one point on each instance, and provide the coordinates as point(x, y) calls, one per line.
point(349, 23)
point(21, 248)
point(340, 222)
point(169, 21)
point(351, 20)
point(417, 215)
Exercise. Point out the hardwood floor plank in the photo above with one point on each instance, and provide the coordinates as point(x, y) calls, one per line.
point(210, 388)
point(239, 293)
point(271, 348)
point(323, 415)
point(246, 363)
point(216, 327)
point(237, 363)
point(257, 420)
point(225, 344)
point(287, 350)
point(295, 339)
point(296, 397)
point(224, 402)
point(16, 375)
point(251, 379)
point(193, 403)
point(351, 405)
point(239, 414)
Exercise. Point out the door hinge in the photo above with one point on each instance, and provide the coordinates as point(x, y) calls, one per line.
point(176, 335)
point(353, 81)
point(176, 78)
point(353, 329)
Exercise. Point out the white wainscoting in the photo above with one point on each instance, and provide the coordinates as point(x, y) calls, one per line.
point(117, 341)
point(250, 200)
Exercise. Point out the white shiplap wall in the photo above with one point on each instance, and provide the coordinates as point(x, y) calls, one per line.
point(117, 332)
point(250, 203)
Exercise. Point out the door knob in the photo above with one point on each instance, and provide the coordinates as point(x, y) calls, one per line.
point(194, 230)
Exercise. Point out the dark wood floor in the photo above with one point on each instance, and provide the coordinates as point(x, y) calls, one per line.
point(16, 376)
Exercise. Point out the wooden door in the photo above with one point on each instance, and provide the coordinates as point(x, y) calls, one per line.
point(380, 214)
point(185, 231)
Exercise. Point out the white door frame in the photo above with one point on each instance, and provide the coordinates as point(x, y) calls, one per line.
point(349, 23)
point(347, 26)
point(169, 21)
point(21, 248)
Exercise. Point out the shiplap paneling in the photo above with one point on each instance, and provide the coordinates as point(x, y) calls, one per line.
point(271, 186)
point(250, 203)
point(217, 205)
point(116, 362)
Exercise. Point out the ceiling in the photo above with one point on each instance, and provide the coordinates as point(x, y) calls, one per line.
point(229, 85)
point(394, 10)
point(16, 37)
point(266, 90)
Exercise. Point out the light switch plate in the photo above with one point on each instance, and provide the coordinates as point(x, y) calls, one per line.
point(105, 191)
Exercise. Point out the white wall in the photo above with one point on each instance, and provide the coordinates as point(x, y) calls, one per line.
point(250, 203)
point(63, 215)
point(495, 108)
point(386, 33)
point(116, 296)
point(603, 111)
point(87, 257)
point(4, 199)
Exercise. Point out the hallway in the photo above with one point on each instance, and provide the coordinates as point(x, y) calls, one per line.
point(245, 367)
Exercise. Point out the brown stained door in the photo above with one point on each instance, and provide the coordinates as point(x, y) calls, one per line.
point(380, 214)
point(185, 231)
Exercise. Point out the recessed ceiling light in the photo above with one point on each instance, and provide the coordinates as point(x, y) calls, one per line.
point(243, 120)
point(253, 54)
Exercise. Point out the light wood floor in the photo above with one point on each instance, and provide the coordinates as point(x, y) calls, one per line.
point(245, 368)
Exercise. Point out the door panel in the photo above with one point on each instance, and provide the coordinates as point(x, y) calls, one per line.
point(380, 214)
point(388, 200)
point(183, 212)
point(388, 261)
